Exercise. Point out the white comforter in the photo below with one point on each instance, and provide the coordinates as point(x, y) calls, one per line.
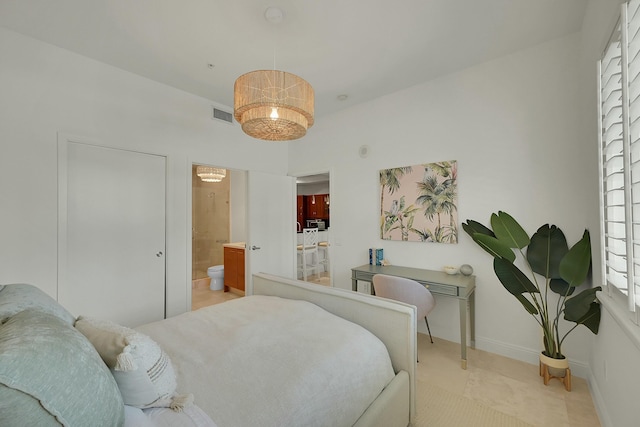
point(267, 361)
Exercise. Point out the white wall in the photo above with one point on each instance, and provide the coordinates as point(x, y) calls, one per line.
point(512, 125)
point(45, 90)
point(524, 130)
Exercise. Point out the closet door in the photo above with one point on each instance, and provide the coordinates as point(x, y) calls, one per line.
point(111, 233)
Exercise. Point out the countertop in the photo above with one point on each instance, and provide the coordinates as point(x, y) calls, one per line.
point(237, 245)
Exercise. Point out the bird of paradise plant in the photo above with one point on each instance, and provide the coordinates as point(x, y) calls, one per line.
point(552, 265)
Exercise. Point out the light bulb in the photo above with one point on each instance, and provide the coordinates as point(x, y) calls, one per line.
point(274, 113)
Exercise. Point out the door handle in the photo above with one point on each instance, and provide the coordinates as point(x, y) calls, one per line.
point(255, 248)
point(159, 254)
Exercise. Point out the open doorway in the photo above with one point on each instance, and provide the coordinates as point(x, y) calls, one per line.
point(213, 207)
point(255, 199)
point(313, 211)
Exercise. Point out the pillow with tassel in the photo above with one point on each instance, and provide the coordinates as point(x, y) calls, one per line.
point(142, 370)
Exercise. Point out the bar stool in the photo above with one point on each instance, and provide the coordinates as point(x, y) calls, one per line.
point(324, 247)
point(309, 248)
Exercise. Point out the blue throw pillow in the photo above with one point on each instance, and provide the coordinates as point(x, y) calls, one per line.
point(17, 297)
point(50, 374)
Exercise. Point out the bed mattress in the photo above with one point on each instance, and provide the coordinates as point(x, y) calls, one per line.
point(268, 361)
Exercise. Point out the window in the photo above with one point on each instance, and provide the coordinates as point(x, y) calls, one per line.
point(619, 137)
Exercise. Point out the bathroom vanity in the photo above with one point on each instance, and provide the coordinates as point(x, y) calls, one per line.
point(234, 266)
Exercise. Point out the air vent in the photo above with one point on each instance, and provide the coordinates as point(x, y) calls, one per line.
point(222, 115)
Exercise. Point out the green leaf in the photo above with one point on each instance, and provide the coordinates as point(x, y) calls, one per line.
point(561, 287)
point(512, 278)
point(576, 307)
point(592, 318)
point(547, 248)
point(472, 227)
point(527, 304)
point(495, 247)
point(508, 230)
point(575, 265)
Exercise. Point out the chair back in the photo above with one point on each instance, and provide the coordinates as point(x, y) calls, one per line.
point(404, 290)
point(309, 238)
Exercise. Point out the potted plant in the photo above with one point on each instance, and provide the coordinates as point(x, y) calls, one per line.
point(551, 266)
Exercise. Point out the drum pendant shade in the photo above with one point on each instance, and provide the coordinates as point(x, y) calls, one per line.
point(273, 105)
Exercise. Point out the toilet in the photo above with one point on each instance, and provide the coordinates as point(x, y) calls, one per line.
point(217, 277)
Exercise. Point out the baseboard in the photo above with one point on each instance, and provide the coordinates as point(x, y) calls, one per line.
point(598, 401)
point(578, 368)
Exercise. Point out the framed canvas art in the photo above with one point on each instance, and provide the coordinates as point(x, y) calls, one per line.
point(420, 203)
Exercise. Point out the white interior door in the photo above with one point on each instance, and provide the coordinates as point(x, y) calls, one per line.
point(112, 233)
point(271, 226)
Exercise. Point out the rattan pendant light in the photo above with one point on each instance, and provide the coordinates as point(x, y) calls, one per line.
point(273, 105)
point(270, 104)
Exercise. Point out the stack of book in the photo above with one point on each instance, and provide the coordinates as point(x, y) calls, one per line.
point(376, 255)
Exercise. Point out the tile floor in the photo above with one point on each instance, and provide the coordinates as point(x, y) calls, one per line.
point(320, 279)
point(510, 386)
point(202, 296)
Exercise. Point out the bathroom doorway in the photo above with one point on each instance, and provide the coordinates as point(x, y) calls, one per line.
point(210, 230)
point(313, 210)
point(239, 228)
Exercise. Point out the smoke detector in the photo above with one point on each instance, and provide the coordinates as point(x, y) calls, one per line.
point(275, 15)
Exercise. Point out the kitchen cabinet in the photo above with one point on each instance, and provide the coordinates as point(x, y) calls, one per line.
point(233, 267)
point(324, 198)
point(317, 206)
point(300, 213)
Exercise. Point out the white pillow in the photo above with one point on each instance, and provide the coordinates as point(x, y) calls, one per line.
point(142, 370)
point(134, 417)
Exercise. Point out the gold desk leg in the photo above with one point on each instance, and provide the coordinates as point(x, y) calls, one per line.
point(463, 363)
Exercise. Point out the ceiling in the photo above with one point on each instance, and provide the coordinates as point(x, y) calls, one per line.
point(313, 179)
point(360, 48)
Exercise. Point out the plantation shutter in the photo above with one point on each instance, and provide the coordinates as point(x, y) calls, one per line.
point(619, 108)
point(612, 171)
point(632, 80)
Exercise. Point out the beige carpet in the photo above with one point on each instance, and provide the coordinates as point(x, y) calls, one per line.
point(437, 407)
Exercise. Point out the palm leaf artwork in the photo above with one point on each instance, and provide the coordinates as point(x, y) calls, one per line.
point(432, 217)
point(553, 268)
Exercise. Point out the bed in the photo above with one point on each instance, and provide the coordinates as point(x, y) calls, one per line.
point(291, 354)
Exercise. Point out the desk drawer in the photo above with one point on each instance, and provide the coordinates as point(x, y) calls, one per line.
point(361, 275)
point(439, 288)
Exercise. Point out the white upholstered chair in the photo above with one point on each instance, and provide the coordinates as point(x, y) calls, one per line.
point(407, 291)
point(308, 253)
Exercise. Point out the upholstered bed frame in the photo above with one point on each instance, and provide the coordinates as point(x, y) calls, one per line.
point(58, 369)
point(392, 322)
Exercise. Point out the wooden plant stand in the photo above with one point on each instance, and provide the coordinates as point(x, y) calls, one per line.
point(557, 365)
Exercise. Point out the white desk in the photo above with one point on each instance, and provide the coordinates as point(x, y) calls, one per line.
point(439, 283)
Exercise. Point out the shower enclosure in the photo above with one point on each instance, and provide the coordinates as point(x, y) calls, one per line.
point(210, 223)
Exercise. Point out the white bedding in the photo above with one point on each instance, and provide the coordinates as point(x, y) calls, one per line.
point(192, 416)
point(267, 361)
